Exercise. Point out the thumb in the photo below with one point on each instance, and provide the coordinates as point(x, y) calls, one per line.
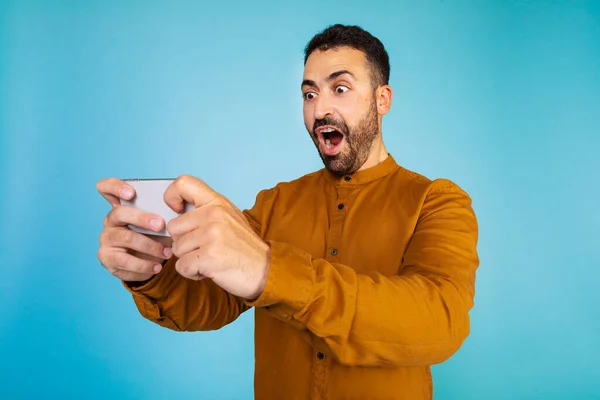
point(189, 189)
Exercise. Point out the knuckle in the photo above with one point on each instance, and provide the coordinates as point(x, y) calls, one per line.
point(143, 266)
point(117, 212)
point(101, 256)
point(214, 213)
point(175, 249)
point(214, 230)
point(125, 235)
point(182, 180)
point(138, 266)
point(102, 183)
point(119, 236)
point(122, 213)
point(112, 216)
point(191, 240)
point(184, 267)
point(104, 237)
point(106, 258)
point(106, 184)
point(171, 225)
point(116, 259)
point(112, 182)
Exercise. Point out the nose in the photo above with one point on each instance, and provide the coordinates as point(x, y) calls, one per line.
point(323, 106)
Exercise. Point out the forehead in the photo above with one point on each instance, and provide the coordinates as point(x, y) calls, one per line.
point(322, 63)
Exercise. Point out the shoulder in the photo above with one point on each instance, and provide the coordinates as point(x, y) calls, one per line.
point(425, 195)
point(289, 188)
point(426, 186)
point(282, 193)
point(285, 192)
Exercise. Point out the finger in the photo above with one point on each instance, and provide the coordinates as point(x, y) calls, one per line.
point(123, 215)
point(189, 267)
point(144, 256)
point(190, 189)
point(113, 189)
point(114, 259)
point(184, 223)
point(187, 243)
point(165, 240)
point(197, 218)
point(128, 239)
point(113, 200)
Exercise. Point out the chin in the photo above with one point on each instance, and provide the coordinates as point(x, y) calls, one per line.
point(338, 164)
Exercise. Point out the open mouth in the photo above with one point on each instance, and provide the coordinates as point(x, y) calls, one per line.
point(330, 139)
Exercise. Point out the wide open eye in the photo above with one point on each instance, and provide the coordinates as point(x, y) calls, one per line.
point(309, 95)
point(341, 89)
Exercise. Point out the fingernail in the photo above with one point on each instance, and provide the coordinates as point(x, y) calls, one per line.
point(155, 224)
point(168, 252)
point(157, 268)
point(127, 192)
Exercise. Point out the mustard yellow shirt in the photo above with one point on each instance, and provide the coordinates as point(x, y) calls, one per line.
point(371, 281)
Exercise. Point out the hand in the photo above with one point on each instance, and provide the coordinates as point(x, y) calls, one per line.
point(215, 240)
point(129, 255)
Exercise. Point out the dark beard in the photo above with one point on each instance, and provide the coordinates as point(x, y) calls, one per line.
point(359, 139)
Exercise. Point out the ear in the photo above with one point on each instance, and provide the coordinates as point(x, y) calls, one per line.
point(383, 95)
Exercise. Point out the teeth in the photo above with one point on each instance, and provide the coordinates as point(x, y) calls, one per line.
point(327, 130)
point(327, 142)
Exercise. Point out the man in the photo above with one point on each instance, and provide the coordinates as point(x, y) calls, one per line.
point(361, 274)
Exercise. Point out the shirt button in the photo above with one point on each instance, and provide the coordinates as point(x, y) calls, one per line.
point(340, 206)
point(347, 178)
point(334, 252)
point(320, 355)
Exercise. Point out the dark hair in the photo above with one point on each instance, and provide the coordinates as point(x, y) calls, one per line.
point(353, 36)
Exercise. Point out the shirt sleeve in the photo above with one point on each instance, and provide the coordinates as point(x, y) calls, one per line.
point(182, 304)
point(417, 317)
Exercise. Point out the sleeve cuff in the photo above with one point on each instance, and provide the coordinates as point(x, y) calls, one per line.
point(289, 283)
point(158, 286)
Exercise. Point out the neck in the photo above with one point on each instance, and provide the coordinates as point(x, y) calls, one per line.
point(378, 154)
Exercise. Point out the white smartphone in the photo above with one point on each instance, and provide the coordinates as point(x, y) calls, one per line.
point(149, 197)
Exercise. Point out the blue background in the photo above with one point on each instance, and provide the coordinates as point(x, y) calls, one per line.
point(501, 97)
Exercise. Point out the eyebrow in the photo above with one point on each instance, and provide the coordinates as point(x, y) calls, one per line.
point(332, 76)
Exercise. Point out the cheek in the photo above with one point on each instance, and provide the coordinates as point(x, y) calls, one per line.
point(309, 119)
point(350, 108)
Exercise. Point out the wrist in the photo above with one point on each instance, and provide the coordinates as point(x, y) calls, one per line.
point(263, 268)
point(135, 284)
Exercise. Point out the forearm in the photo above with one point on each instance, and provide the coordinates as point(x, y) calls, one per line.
point(378, 321)
point(181, 304)
point(417, 317)
point(370, 320)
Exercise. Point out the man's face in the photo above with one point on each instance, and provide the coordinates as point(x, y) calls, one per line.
point(340, 110)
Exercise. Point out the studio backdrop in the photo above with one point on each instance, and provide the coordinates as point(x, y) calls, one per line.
point(502, 97)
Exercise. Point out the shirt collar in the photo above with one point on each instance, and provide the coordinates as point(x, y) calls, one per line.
point(371, 174)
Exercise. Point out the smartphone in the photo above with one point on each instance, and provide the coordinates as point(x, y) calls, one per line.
point(149, 197)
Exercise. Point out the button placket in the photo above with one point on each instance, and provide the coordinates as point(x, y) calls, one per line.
point(320, 372)
point(338, 215)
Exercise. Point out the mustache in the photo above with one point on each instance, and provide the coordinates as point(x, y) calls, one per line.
point(339, 125)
